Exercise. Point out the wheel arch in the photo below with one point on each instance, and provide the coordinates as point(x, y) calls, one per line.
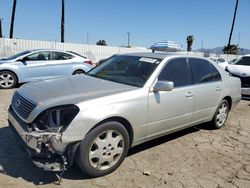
point(78, 69)
point(121, 120)
point(229, 100)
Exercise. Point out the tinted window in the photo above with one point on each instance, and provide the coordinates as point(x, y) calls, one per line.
point(62, 56)
point(39, 56)
point(203, 71)
point(243, 61)
point(176, 70)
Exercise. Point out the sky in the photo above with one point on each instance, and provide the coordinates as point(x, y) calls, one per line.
point(147, 21)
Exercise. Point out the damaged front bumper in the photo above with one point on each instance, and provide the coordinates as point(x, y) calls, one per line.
point(44, 148)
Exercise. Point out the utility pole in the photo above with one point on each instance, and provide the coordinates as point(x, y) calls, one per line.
point(1, 34)
point(87, 37)
point(202, 46)
point(12, 19)
point(62, 22)
point(232, 28)
point(128, 33)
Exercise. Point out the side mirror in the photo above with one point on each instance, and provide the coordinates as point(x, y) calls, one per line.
point(163, 86)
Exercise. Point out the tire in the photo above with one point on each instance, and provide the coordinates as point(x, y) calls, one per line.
point(78, 72)
point(220, 115)
point(7, 80)
point(103, 149)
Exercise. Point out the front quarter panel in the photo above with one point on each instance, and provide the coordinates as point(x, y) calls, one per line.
point(132, 105)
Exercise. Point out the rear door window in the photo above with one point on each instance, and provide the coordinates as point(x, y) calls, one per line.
point(203, 71)
point(62, 56)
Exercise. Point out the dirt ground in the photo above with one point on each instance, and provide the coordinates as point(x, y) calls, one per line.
point(196, 157)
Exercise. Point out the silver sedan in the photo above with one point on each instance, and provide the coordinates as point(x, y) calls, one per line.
point(127, 100)
point(40, 64)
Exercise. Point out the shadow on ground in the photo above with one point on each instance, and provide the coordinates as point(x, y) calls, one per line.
point(15, 163)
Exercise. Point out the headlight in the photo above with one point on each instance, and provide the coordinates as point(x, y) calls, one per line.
point(56, 117)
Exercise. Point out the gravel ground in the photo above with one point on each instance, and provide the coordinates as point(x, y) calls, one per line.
point(196, 157)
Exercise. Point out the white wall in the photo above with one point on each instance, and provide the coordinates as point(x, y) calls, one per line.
point(95, 53)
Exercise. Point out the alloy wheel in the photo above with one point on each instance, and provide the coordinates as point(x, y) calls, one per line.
point(106, 150)
point(6, 80)
point(222, 114)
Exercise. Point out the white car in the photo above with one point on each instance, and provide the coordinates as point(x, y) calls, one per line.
point(220, 61)
point(241, 69)
point(34, 65)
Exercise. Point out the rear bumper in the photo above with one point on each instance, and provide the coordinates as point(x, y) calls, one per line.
point(33, 146)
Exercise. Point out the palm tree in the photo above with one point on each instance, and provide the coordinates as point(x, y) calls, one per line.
point(62, 22)
point(190, 40)
point(12, 19)
point(231, 49)
point(232, 28)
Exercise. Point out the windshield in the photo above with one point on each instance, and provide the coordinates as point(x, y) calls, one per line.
point(17, 55)
point(129, 70)
point(243, 61)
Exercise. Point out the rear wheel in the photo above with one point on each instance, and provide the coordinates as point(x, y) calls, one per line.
point(221, 114)
point(103, 149)
point(78, 72)
point(7, 80)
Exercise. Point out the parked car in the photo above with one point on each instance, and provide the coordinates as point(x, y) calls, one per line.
point(33, 65)
point(127, 100)
point(222, 62)
point(241, 69)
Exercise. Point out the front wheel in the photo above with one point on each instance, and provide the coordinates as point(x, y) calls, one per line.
point(221, 115)
point(103, 149)
point(7, 80)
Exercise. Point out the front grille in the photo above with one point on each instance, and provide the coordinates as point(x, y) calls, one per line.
point(22, 105)
point(245, 81)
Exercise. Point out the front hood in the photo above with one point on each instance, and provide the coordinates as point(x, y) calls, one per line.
point(4, 61)
point(239, 70)
point(70, 90)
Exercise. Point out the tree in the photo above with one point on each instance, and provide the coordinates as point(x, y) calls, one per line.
point(231, 49)
point(190, 40)
point(231, 32)
point(62, 22)
point(101, 43)
point(12, 19)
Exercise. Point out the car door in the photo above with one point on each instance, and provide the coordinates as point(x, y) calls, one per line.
point(171, 110)
point(36, 66)
point(63, 64)
point(207, 88)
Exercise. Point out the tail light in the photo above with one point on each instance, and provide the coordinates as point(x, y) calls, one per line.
point(88, 62)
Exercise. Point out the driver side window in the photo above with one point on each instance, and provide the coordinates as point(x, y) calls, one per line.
point(177, 71)
point(39, 56)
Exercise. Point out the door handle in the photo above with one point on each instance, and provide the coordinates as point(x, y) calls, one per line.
point(189, 94)
point(218, 89)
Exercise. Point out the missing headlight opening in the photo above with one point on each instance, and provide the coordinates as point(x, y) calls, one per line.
point(44, 137)
point(56, 118)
